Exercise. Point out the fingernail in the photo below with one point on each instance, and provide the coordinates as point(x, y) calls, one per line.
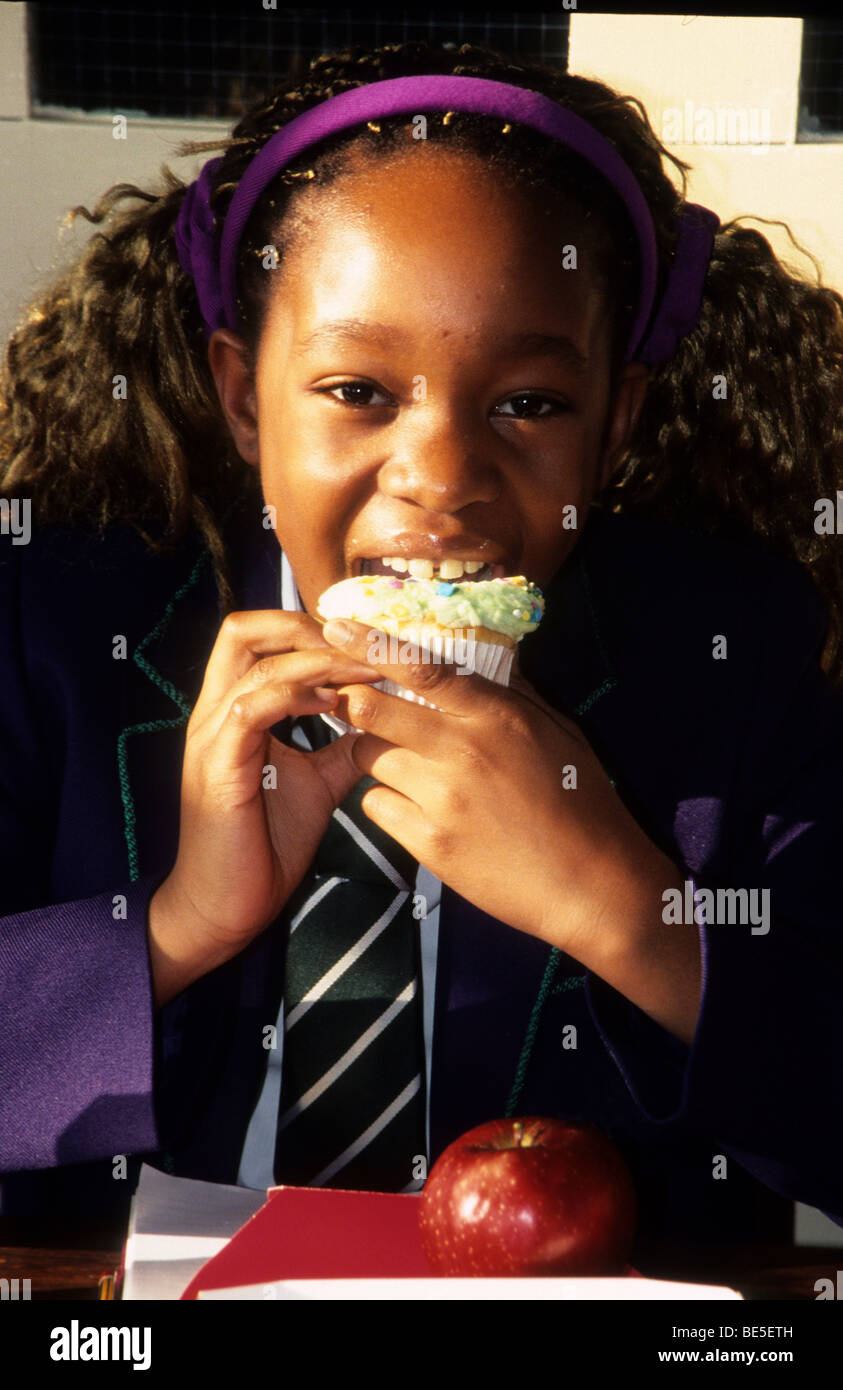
point(337, 631)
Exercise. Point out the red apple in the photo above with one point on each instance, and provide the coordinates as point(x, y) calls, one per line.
point(528, 1196)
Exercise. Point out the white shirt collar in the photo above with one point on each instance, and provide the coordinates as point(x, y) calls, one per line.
point(290, 597)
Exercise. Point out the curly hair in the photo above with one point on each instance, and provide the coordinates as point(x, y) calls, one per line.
point(750, 463)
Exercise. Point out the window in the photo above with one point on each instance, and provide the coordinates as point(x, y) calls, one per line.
point(821, 80)
point(210, 61)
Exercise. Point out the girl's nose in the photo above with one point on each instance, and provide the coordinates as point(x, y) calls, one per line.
point(444, 478)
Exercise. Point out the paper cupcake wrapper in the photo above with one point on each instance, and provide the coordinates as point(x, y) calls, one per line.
point(487, 659)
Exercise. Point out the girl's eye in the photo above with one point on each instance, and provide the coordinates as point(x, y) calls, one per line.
point(358, 393)
point(361, 393)
point(531, 397)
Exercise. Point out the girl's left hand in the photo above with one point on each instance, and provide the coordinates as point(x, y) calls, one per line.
point(474, 790)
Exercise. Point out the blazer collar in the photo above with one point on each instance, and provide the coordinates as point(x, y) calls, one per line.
point(174, 652)
point(174, 598)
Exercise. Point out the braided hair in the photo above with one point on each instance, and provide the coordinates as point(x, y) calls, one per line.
point(751, 464)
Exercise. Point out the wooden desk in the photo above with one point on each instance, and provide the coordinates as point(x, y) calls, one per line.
point(61, 1263)
point(69, 1268)
point(756, 1271)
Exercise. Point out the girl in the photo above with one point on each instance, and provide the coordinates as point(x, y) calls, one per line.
point(475, 324)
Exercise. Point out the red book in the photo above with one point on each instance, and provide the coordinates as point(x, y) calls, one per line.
point(323, 1233)
point(320, 1233)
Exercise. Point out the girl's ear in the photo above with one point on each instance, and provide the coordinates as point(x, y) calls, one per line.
point(623, 413)
point(227, 360)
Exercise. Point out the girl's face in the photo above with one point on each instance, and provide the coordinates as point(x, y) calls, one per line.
point(432, 382)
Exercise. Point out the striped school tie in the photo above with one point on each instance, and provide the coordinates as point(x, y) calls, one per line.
point(352, 1107)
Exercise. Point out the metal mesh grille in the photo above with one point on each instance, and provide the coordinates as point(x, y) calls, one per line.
point(211, 61)
point(821, 80)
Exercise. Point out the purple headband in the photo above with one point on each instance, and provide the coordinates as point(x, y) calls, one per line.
point(214, 274)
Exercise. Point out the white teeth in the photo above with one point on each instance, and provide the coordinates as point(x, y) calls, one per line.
point(427, 569)
point(421, 569)
point(453, 569)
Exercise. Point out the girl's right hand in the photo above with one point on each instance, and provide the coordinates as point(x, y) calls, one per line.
point(243, 849)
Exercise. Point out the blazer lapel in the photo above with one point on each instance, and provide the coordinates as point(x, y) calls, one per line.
point(170, 660)
point(214, 1067)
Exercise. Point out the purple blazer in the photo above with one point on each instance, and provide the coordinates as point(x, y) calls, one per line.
point(734, 767)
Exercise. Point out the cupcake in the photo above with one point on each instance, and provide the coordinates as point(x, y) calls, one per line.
point(473, 624)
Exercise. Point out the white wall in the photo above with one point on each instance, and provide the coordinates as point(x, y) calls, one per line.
point(686, 69)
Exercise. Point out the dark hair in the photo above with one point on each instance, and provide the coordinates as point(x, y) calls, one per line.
point(751, 465)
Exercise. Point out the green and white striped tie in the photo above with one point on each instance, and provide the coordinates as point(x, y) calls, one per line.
point(352, 1108)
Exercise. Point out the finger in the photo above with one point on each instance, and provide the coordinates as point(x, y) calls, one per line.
point(454, 687)
point(248, 719)
point(400, 817)
point(258, 660)
point(399, 768)
point(306, 666)
point(396, 722)
point(246, 636)
point(280, 675)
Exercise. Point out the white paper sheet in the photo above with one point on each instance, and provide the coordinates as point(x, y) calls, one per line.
point(473, 1289)
point(175, 1226)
